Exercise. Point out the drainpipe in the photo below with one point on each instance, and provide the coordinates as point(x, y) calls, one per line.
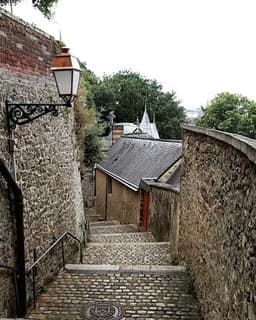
point(18, 211)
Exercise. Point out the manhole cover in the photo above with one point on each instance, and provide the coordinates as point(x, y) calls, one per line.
point(101, 311)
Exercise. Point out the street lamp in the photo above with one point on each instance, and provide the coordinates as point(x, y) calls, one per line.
point(66, 71)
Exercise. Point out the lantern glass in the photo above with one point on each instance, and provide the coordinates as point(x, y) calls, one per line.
point(64, 81)
point(76, 78)
point(66, 72)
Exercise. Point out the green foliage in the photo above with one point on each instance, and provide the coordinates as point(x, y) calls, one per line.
point(190, 282)
point(45, 6)
point(58, 46)
point(126, 93)
point(88, 130)
point(93, 144)
point(174, 259)
point(232, 113)
point(90, 81)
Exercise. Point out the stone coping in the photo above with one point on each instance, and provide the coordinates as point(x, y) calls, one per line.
point(237, 141)
point(106, 268)
point(26, 24)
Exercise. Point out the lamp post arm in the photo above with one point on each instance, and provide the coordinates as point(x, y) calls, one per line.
point(22, 113)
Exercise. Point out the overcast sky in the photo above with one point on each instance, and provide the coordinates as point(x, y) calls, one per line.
point(197, 48)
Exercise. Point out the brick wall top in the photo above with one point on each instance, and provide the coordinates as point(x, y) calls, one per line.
point(23, 47)
point(241, 143)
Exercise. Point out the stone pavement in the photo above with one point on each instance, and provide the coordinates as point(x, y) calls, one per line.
point(120, 280)
point(123, 228)
point(104, 223)
point(122, 237)
point(145, 253)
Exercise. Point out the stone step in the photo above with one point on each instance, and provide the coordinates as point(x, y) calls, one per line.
point(94, 218)
point(104, 223)
point(154, 296)
point(133, 253)
point(114, 229)
point(122, 237)
point(107, 268)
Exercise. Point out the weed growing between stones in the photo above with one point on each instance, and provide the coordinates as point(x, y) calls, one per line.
point(189, 282)
point(174, 259)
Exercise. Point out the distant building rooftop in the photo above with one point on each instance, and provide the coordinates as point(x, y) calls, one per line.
point(145, 126)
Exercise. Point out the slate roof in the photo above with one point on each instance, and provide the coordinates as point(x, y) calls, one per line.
point(130, 159)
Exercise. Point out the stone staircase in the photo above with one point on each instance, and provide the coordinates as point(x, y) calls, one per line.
point(127, 276)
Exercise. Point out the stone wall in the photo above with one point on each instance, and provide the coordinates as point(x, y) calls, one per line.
point(164, 214)
point(46, 160)
point(100, 193)
point(7, 256)
point(88, 187)
point(217, 237)
point(123, 204)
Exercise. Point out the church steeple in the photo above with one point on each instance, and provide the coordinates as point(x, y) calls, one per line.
point(146, 125)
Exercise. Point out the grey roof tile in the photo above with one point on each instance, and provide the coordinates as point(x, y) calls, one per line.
point(132, 158)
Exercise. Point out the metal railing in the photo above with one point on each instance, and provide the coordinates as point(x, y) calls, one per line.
point(61, 239)
point(14, 274)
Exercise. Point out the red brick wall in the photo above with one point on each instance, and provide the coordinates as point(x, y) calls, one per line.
point(23, 48)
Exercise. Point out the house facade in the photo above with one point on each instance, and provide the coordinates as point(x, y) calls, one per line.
point(131, 159)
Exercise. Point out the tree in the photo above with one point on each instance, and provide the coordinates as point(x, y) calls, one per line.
point(45, 6)
point(90, 82)
point(127, 92)
point(88, 130)
point(232, 113)
point(172, 116)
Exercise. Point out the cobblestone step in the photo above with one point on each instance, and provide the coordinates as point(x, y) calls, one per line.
point(133, 253)
point(125, 271)
point(139, 296)
point(114, 229)
point(101, 268)
point(122, 237)
point(104, 223)
point(94, 218)
point(90, 211)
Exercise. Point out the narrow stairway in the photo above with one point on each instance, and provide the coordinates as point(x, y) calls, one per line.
point(127, 276)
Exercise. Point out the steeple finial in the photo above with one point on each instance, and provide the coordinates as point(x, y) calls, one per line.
point(138, 122)
point(146, 98)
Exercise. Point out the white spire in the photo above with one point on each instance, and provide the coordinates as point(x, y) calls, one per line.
point(145, 119)
point(148, 127)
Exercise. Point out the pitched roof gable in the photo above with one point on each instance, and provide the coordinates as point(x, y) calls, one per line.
point(130, 159)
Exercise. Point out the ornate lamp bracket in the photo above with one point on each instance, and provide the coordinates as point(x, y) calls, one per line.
point(22, 113)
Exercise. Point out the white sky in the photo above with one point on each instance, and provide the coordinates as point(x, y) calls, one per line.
point(197, 48)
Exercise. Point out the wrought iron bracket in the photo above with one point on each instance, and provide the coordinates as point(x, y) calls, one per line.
point(22, 113)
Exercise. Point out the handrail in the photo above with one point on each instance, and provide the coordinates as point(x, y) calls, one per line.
point(51, 247)
point(36, 262)
point(14, 273)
